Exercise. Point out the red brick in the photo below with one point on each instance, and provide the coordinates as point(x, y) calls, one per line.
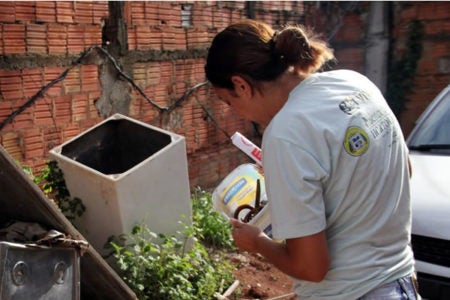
point(89, 78)
point(149, 114)
point(137, 9)
point(57, 39)
point(140, 73)
point(95, 95)
point(169, 14)
point(127, 12)
point(36, 38)
point(11, 82)
point(34, 152)
point(76, 32)
point(43, 111)
point(24, 119)
point(438, 27)
point(11, 85)
point(14, 38)
point(197, 38)
point(70, 131)
point(79, 107)
point(148, 38)
point(88, 123)
point(100, 11)
point(433, 10)
point(52, 137)
point(183, 70)
point(1, 40)
point(51, 133)
point(153, 73)
point(131, 38)
point(266, 17)
point(25, 11)
point(352, 32)
point(32, 82)
point(46, 11)
point(11, 142)
point(72, 83)
point(92, 35)
point(71, 87)
point(149, 91)
point(44, 114)
point(65, 11)
point(84, 12)
point(89, 71)
point(202, 16)
point(8, 127)
point(221, 18)
point(5, 109)
point(151, 16)
point(409, 12)
point(62, 109)
point(7, 12)
point(166, 72)
point(441, 10)
point(236, 15)
point(439, 50)
point(50, 74)
point(75, 38)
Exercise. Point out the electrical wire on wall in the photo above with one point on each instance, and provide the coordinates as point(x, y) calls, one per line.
point(116, 66)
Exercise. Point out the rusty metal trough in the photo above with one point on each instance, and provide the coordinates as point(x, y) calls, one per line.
point(22, 200)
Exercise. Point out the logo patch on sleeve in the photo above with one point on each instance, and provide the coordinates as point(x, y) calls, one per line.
point(356, 141)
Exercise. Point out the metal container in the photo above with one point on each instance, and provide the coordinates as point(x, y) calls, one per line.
point(22, 200)
point(38, 273)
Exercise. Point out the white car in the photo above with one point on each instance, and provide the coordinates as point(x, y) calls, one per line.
point(429, 145)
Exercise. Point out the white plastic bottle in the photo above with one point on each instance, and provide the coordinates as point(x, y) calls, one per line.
point(247, 147)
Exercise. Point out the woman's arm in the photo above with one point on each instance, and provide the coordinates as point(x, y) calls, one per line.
point(304, 258)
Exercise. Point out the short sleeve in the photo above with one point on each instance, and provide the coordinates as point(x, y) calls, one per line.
point(294, 180)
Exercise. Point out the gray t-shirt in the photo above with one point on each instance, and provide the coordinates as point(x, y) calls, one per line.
point(335, 159)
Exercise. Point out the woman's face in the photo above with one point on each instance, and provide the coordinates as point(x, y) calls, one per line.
point(241, 104)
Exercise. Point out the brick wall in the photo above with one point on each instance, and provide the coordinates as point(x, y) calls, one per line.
point(41, 40)
point(433, 71)
point(38, 41)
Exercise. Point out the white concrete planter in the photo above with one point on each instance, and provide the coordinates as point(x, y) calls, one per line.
point(126, 172)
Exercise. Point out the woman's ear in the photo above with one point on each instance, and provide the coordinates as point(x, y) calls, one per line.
point(241, 86)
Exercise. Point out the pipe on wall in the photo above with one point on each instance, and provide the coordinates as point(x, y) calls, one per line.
point(377, 44)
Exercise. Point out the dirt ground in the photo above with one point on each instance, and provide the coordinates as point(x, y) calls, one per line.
point(259, 279)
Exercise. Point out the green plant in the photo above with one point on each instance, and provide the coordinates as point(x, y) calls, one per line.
point(402, 71)
point(162, 267)
point(212, 228)
point(51, 180)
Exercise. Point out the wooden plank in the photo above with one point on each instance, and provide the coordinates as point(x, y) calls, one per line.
point(22, 200)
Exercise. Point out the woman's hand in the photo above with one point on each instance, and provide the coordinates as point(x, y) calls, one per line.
point(246, 236)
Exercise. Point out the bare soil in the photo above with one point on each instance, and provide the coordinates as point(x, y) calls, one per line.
point(259, 279)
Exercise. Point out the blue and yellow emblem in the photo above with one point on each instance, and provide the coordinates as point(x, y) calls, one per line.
point(356, 141)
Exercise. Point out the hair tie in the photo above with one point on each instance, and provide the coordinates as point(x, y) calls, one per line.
point(273, 41)
point(275, 36)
